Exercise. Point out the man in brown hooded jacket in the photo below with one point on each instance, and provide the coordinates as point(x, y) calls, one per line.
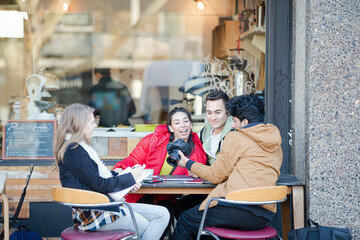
point(250, 157)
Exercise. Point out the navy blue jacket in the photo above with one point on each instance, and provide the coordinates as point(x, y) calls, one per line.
point(79, 171)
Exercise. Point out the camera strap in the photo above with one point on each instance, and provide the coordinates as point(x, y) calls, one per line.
point(173, 169)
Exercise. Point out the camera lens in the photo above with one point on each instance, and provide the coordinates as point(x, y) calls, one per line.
point(172, 160)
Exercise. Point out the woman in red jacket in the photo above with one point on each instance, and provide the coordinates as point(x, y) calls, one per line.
point(151, 151)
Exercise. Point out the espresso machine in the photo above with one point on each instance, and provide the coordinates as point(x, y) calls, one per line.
point(241, 76)
point(193, 90)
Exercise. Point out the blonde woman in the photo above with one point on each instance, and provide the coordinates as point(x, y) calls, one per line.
point(80, 167)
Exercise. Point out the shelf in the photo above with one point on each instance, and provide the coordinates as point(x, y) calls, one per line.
point(250, 33)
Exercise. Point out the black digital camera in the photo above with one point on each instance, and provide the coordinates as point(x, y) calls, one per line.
point(173, 148)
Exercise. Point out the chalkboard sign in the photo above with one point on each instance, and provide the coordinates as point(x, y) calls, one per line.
point(28, 140)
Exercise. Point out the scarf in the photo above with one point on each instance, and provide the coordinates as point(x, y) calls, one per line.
point(104, 172)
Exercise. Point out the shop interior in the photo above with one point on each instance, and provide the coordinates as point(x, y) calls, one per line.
point(168, 53)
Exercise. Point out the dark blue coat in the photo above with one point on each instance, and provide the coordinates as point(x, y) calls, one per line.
point(79, 171)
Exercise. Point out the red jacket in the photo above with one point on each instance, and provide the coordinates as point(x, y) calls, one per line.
point(151, 151)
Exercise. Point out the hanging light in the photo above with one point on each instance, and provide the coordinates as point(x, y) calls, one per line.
point(66, 6)
point(199, 4)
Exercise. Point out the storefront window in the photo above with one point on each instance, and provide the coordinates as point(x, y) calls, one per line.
point(159, 54)
point(149, 46)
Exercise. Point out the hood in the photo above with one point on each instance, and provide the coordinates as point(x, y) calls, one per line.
point(161, 130)
point(267, 136)
point(161, 135)
point(227, 128)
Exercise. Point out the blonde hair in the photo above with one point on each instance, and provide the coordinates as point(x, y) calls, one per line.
point(73, 121)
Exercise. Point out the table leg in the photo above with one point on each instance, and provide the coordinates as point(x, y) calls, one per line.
point(285, 218)
point(298, 206)
point(5, 210)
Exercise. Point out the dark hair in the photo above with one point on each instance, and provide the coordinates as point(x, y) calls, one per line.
point(248, 107)
point(102, 71)
point(216, 95)
point(190, 141)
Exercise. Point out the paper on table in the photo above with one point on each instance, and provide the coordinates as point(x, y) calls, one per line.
point(117, 196)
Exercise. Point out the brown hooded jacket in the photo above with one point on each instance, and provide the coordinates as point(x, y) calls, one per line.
point(250, 157)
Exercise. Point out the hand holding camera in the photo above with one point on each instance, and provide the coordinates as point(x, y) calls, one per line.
point(183, 160)
point(173, 151)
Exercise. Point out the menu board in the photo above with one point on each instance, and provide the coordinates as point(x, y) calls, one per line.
point(28, 140)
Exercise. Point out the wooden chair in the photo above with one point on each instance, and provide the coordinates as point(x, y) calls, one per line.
point(5, 207)
point(250, 196)
point(88, 199)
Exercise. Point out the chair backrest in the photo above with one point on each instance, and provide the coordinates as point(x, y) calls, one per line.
point(260, 194)
point(77, 196)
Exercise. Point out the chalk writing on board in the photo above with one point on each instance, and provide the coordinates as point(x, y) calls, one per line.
point(29, 140)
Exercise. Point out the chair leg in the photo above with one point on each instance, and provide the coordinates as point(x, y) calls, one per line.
point(133, 220)
point(205, 232)
point(5, 212)
point(202, 222)
point(171, 228)
point(279, 237)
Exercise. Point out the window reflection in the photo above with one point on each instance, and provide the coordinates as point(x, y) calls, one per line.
point(149, 45)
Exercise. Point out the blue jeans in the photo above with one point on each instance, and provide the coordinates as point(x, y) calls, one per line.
point(151, 220)
point(218, 216)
